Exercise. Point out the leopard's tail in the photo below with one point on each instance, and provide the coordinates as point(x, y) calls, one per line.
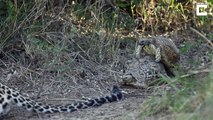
point(37, 107)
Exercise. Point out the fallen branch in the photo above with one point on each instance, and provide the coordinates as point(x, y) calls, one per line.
point(203, 36)
point(196, 72)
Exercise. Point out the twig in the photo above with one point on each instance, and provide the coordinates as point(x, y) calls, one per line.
point(196, 72)
point(204, 37)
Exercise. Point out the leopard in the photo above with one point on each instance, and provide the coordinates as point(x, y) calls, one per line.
point(143, 72)
point(163, 49)
point(9, 97)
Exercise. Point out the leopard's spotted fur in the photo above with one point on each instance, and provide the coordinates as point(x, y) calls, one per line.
point(141, 72)
point(9, 96)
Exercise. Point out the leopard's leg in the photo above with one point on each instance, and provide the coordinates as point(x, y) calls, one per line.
point(141, 85)
point(127, 79)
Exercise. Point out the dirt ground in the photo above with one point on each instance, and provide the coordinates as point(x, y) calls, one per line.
point(73, 85)
point(61, 93)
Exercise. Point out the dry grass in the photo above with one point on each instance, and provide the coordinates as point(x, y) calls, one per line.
point(64, 47)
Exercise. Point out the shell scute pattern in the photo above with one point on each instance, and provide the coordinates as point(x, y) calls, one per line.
point(163, 49)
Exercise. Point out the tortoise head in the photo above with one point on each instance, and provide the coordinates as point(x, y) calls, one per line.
point(144, 42)
point(146, 45)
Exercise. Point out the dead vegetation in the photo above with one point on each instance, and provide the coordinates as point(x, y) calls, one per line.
point(63, 51)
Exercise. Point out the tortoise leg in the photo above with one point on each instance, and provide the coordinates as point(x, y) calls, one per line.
point(168, 70)
point(127, 79)
point(138, 51)
point(158, 55)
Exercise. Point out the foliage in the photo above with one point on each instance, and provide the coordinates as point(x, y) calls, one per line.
point(119, 19)
point(189, 101)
